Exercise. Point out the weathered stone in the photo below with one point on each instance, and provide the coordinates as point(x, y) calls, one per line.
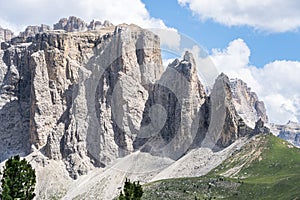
point(75, 24)
point(85, 93)
point(95, 25)
point(31, 31)
point(225, 124)
point(14, 102)
point(173, 117)
point(5, 35)
point(71, 25)
point(247, 104)
point(289, 132)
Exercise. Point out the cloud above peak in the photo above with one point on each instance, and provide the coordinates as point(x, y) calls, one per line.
point(20, 13)
point(268, 15)
point(17, 14)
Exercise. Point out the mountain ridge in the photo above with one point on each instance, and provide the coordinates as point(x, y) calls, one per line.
point(87, 96)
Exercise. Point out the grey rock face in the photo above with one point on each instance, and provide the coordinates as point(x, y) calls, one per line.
point(75, 24)
point(260, 128)
point(31, 31)
point(179, 115)
point(225, 123)
point(77, 96)
point(174, 113)
point(14, 102)
point(94, 25)
point(289, 132)
point(247, 103)
point(71, 25)
point(5, 35)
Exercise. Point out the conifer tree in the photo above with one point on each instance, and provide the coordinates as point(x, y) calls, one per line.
point(132, 191)
point(18, 180)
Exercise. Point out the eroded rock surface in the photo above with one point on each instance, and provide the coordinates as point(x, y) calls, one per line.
point(175, 113)
point(247, 103)
point(289, 132)
point(75, 24)
point(226, 124)
point(72, 94)
point(31, 31)
point(5, 34)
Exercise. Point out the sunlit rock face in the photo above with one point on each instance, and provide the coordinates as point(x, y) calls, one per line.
point(77, 95)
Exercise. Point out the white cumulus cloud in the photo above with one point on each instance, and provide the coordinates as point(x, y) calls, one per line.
point(26, 12)
point(267, 15)
point(169, 37)
point(277, 83)
point(17, 14)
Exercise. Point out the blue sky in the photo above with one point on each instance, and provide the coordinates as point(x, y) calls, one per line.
point(256, 41)
point(264, 52)
point(265, 46)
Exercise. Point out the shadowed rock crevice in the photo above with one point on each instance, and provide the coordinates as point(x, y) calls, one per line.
point(151, 127)
point(14, 102)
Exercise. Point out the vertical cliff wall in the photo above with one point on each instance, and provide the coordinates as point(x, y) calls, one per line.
point(72, 94)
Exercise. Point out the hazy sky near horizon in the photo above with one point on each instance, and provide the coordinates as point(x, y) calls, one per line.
point(257, 41)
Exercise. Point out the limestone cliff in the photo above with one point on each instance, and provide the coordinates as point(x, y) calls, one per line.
point(31, 31)
point(247, 103)
point(175, 111)
point(15, 100)
point(72, 94)
point(75, 24)
point(5, 34)
point(289, 132)
point(88, 94)
point(226, 124)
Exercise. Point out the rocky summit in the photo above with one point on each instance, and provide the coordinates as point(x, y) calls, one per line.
point(5, 34)
point(289, 132)
point(88, 95)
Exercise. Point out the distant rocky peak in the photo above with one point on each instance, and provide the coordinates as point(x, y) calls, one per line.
point(247, 104)
point(289, 132)
point(31, 31)
point(72, 24)
point(75, 24)
point(188, 56)
point(223, 77)
point(175, 63)
point(223, 81)
point(187, 66)
point(233, 113)
point(94, 25)
point(5, 34)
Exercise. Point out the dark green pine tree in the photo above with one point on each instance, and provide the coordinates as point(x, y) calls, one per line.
point(18, 180)
point(132, 191)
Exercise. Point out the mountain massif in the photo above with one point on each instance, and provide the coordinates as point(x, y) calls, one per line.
point(84, 97)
